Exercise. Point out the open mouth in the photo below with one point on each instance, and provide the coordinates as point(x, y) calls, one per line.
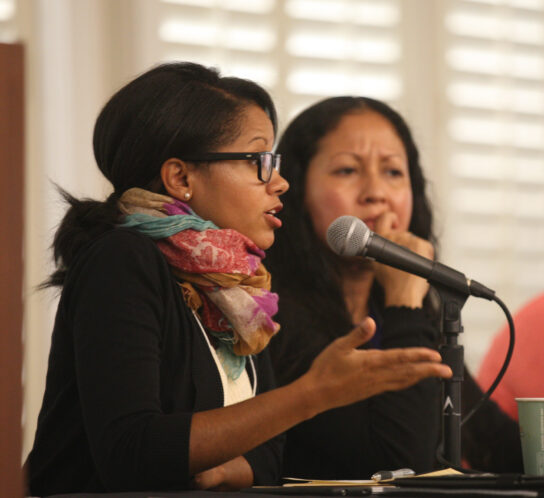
point(271, 217)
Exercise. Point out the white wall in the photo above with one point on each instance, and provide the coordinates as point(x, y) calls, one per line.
point(71, 69)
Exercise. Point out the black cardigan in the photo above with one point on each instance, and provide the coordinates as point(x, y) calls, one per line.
point(392, 430)
point(128, 366)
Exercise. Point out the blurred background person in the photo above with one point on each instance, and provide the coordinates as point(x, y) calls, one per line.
point(356, 156)
point(525, 375)
point(491, 440)
point(353, 156)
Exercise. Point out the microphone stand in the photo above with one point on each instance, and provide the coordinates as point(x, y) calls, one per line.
point(451, 303)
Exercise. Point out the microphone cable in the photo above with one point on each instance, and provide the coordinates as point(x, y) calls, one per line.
point(505, 364)
point(440, 450)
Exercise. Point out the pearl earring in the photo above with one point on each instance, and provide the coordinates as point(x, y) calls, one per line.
point(186, 196)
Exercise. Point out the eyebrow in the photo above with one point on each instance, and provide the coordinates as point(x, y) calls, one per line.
point(258, 138)
point(358, 156)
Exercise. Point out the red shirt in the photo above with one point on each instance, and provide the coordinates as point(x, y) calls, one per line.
point(525, 375)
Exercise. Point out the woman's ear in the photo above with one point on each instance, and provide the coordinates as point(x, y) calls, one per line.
point(177, 178)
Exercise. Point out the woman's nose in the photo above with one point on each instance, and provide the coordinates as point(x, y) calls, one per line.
point(277, 185)
point(372, 188)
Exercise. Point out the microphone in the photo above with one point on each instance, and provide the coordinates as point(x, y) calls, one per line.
point(349, 236)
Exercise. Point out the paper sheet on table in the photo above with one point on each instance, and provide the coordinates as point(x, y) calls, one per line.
point(295, 481)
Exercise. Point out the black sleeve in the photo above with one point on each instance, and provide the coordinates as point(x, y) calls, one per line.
point(117, 309)
point(411, 417)
point(266, 459)
point(490, 439)
point(392, 430)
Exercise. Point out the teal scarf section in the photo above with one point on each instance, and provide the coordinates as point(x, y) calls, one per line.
point(161, 228)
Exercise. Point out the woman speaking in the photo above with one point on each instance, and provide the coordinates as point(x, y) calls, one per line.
point(158, 375)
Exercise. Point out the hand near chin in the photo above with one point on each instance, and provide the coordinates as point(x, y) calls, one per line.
point(401, 288)
point(229, 476)
point(344, 374)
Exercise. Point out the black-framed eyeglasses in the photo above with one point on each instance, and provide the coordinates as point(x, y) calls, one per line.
point(267, 162)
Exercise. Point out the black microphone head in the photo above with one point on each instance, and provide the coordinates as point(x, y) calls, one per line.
point(348, 236)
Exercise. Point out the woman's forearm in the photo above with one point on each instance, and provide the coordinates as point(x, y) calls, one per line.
point(222, 434)
point(340, 375)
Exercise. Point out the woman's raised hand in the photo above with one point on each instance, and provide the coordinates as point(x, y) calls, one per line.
point(343, 374)
point(401, 288)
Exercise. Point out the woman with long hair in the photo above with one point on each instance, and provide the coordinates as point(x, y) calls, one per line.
point(158, 375)
point(356, 156)
point(353, 156)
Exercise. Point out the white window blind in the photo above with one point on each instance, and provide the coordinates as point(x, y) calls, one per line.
point(469, 77)
point(300, 50)
point(8, 32)
point(495, 128)
point(341, 48)
point(237, 36)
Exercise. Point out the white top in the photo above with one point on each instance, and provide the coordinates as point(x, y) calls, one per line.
point(234, 390)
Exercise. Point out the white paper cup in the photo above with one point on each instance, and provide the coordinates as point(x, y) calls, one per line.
point(531, 426)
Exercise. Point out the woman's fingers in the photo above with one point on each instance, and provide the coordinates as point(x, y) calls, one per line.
point(383, 371)
point(357, 336)
point(409, 374)
point(229, 476)
point(413, 242)
point(209, 479)
point(418, 362)
point(403, 355)
point(396, 363)
point(346, 374)
point(400, 368)
point(401, 288)
point(386, 226)
point(386, 222)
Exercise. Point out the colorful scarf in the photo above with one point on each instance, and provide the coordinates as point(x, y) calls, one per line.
point(220, 273)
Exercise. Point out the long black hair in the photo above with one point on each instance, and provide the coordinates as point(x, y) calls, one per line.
point(304, 269)
point(170, 110)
